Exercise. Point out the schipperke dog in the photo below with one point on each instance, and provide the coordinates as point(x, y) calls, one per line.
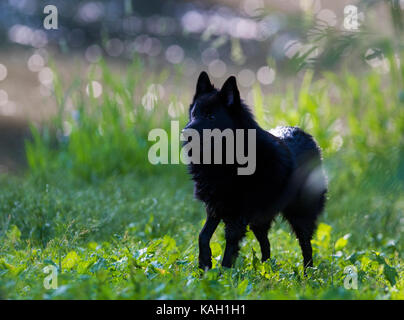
point(288, 177)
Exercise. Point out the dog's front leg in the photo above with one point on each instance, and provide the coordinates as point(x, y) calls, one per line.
point(205, 254)
point(234, 232)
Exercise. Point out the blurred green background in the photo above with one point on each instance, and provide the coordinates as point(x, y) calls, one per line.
point(76, 105)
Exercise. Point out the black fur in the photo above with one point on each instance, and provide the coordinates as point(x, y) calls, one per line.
point(288, 178)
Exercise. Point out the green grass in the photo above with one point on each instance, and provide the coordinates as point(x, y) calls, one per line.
point(117, 227)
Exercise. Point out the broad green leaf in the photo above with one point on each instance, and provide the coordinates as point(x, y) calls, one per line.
point(70, 260)
point(390, 273)
point(342, 242)
point(92, 245)
point(323, 235)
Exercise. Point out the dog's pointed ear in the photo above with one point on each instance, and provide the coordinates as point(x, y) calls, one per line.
point(230, 93)
point(203, 85)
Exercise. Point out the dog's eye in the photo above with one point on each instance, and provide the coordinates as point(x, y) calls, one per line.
point(211, 116)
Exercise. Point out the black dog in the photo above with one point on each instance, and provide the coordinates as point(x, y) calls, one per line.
point(288, 178)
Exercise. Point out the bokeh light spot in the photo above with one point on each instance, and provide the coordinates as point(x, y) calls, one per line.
point(3, 72)
point(93, 53)
point(193, 21)
point(217, 68)
point(35, 63)
point(174, 54)
point(266, 75)
point(246, 77)
point(94, 88)
point(45, 76)
point(208, 55)
point(114, 47)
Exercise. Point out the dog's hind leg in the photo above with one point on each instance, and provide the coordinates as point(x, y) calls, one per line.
point(302, 216)
point(304, 232)
point(234, 232)
point(303, 227)
point(205, 254)
point(303, 223)
point(261, 233)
